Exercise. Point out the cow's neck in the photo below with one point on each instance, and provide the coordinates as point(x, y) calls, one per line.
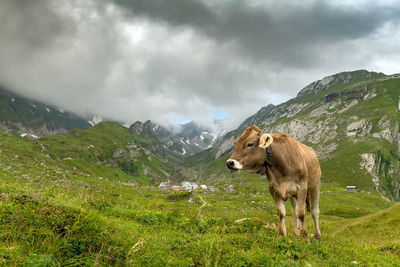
point(267, 163)
point(274, 170)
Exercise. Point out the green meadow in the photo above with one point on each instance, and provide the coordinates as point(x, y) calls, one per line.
point(64, 213)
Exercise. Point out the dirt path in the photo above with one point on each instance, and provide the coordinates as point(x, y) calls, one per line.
point(201, 207)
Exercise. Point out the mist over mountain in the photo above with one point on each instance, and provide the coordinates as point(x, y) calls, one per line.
point(29, 118)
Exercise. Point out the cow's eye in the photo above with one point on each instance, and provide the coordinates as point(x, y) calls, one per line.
point(250, 144)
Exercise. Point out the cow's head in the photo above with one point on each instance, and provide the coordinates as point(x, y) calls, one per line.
point(249, 153)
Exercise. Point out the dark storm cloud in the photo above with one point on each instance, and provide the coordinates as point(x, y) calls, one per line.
point(277, 31)
point(178, 59)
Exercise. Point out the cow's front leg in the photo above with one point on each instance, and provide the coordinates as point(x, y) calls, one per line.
point(280, 206)
point(300, 210)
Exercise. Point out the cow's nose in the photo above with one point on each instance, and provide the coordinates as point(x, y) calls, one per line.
point(230, 164)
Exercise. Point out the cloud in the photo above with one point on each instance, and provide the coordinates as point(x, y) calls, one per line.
point(172, 60)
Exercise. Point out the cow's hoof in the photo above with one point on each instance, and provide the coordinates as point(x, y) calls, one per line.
point(304, 234)
point(297, 232)
point(317, 237)
point(282, 233)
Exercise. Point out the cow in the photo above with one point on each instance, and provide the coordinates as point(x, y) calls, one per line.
point(292, 170)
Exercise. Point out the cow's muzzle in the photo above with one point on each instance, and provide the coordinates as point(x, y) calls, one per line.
point(233, 164)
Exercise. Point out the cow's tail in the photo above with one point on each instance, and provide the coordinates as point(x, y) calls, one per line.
point(308, 202)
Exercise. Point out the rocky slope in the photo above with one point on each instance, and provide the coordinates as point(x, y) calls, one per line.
point(351, 119)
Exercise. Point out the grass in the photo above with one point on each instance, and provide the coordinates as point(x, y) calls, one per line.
point(83, 221)
point(54, 215)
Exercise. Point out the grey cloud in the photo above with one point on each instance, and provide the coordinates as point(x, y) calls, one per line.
point(279, 32)
point(173, 60)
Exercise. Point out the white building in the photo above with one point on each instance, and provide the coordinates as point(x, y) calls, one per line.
point(351, 188)
point(189, 185)
point(203, 187)
point(164, 186)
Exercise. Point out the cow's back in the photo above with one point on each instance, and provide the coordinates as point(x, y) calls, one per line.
point(295, 159)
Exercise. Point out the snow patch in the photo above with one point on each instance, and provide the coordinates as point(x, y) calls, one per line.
point(29, 135)
point(95, 120)
point(202, 135)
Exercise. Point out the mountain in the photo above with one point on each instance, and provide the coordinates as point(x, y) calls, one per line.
point(188, 139)
point(351, 119)
point(29, 118)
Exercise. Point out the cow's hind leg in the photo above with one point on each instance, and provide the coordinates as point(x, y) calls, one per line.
point(315, 213)
point(293, 201)
point(280, 206)
point(301, 212)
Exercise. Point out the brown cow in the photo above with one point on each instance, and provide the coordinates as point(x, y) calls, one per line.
point(292, 169)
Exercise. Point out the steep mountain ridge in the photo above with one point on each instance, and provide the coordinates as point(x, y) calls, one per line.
point(339, 79)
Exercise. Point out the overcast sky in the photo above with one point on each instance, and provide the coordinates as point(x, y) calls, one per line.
point(177, 60)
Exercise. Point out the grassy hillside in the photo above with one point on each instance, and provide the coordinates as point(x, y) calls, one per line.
point(53, 214)
point(376, 229)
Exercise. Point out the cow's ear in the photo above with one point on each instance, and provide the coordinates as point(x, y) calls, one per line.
point(265, 140)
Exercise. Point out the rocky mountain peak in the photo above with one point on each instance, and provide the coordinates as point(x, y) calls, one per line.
point(339, 78)
point(136, 128)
